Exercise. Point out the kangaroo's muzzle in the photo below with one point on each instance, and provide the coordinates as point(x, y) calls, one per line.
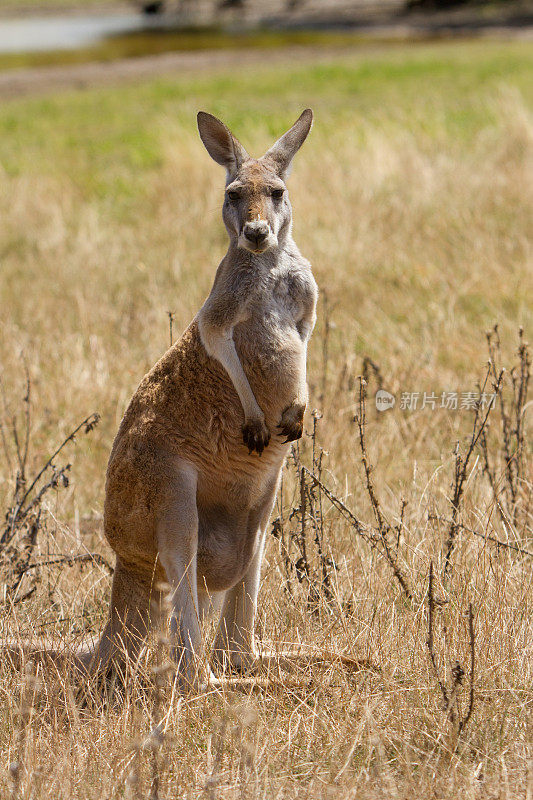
point(257, 236)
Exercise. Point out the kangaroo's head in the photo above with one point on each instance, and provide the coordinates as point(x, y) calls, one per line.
point(256, 210)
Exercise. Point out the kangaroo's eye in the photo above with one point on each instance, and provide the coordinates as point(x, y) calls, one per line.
point(233, 197)
point(277, 194)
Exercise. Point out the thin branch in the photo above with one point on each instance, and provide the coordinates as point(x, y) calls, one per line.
point(88, 423)
point(361, 422)
point(361, 528)
point(170, 315)
point(82, 558)
point(487, 537)
point(432, 657)
point(489, 472)
point(471, 641)
point(303, 519)
point(400, 525)
point(27, 414)
point(384, 527)
point(370, 535)
point(461, 469)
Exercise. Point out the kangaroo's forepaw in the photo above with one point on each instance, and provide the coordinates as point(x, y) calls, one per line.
point(255, 435)
point(292, 422)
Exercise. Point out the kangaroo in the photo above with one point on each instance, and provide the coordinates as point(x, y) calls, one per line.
point(196, 463)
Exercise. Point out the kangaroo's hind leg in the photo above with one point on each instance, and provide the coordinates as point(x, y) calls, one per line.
point(134, 609)
point(177, 538)
point(209, 603)
point(234, 643)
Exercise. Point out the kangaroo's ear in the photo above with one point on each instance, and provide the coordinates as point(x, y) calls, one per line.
point(284, 150)
point(220, 143)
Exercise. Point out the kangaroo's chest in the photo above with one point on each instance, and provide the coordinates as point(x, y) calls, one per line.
point(269, 344)
point(269, 334)
point(282, 302)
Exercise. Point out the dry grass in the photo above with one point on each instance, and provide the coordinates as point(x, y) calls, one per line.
point(413, 201)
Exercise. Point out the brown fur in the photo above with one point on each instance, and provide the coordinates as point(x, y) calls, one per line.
point(185, 407)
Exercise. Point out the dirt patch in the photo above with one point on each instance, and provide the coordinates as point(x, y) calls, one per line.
point(40, 80)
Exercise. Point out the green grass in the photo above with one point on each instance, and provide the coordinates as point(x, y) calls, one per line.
point(98, 135)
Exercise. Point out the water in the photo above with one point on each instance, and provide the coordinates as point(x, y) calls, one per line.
point(31, 34)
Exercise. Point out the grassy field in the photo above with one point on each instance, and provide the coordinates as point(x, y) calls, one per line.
point(413, 200)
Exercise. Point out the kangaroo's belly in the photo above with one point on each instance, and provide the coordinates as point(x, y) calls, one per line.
point(232, 517)
point(226, 546)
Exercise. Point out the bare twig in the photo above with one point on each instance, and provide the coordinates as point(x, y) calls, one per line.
point(303, 523)
point(88, 424)
point(365, 531)
point(325, 348)
point(471, 641)
point(461, 471)
point(369, 367)
point(487, 537)
point(490, 473)
point(400, 524)
point(384, 527)
point(360, 418)
point(69, 560)
point(450, 695)
point(24, 518)
point(512, 445)
point(370, 535)
point(27, 414)
point(171, 318)
point(430, 641)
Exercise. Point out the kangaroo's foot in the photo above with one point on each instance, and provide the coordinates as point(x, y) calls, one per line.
point(292, 422)
point(191, 671)
point(255, 435)
point(234, 658)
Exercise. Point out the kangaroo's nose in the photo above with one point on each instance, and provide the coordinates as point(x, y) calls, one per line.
point(256, 232)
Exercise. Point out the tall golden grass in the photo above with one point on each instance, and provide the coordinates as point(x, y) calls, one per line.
point(419, 243)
